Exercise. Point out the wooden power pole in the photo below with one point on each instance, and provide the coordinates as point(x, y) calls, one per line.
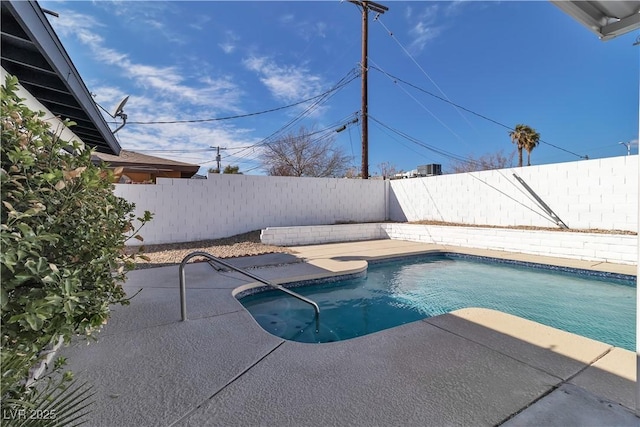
point(218, 157)
point(379, 9)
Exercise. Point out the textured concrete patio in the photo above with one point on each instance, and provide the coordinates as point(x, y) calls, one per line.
point(220, 368)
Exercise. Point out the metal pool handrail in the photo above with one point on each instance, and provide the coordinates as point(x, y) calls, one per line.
point(183, 287)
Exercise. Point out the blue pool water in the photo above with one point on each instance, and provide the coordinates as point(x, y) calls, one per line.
point(398, 292)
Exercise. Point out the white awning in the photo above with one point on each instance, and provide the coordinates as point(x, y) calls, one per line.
point(607, 19)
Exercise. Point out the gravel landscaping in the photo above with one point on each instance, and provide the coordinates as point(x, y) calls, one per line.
point(245, 244)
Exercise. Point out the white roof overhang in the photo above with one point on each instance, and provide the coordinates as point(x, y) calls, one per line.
point(608, 19)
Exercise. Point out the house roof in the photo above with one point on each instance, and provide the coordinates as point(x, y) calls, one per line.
point(608, 19)
point(144, 162)
point(32, 51)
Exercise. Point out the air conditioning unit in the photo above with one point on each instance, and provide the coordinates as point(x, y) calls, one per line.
point(430, 170)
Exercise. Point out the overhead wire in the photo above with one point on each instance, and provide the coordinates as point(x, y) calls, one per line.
point(186, 150)
point(462, 160)
point(237, 116)
point(386, 132)
point(377, 67)
point(420, 143)
point(325, 133)
point(458, 158)
point(348, 78)
point(317, 135)
point(420, 67)
point(469, 111)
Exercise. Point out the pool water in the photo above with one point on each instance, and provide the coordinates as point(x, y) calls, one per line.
point(397, 292)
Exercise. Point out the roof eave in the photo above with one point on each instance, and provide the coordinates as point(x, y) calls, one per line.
point(588, 14)
point(42, 34)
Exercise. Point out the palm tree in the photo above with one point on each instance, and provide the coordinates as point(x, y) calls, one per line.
point(526, 138)
point(532, 141)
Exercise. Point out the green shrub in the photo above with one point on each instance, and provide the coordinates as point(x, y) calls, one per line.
point(63, 234)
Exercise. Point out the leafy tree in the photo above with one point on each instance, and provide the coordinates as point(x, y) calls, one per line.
point(213, 170)
point(232, 169)
point(63, 234)
point(489, 161)
point(526, 138)
point(300, 154)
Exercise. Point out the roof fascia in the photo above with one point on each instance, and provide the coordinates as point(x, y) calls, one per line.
point(591, 17)
point(35, 23)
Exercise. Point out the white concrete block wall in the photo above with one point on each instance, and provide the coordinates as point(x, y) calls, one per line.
point(291, 236)
point(600, 193)
point(616, 248)
point(224, 205)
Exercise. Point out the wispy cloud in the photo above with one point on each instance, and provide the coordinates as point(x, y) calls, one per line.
point(160, 93)
point(230, 42)
point(424, 26)
point(429, 22)
point(287, 18)
point(166, 81)
point(304, 29)
point(285, 82)
point(200, 22)
point(454, 7)
point(140, 16)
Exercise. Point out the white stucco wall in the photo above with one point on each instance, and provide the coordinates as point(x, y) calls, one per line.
point(601, 193)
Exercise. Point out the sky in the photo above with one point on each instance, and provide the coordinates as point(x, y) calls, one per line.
point(447, 79)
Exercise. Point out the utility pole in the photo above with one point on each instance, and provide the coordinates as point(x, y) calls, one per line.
point(379, 9)
point(218, 158)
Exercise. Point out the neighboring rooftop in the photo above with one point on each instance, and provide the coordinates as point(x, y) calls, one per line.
point(155, 167)
point(32, 51)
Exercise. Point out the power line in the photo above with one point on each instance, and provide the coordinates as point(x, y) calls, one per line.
point(470, 111)
point(174, 150)
point(455, 157)
point(348, 78)
point(421, 69)
point(420, 143)
point(384, 130)
point(377, 68)
point(239, 116)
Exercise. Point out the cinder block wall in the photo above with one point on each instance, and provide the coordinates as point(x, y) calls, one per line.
point(224, 205)
point(599, 247)
point(601, 193)
point(293, 236)
point(617, 248)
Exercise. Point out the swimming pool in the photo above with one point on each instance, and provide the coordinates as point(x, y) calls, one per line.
point(598, 306)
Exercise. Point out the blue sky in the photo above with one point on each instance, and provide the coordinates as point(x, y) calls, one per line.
point(510, 61)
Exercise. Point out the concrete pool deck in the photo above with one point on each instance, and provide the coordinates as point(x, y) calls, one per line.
point(468, 367)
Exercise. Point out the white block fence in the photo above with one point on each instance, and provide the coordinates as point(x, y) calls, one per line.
point(595, 194)
point(617, 248)
point(224, 205)
point(318, 234)
point(586, 194)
